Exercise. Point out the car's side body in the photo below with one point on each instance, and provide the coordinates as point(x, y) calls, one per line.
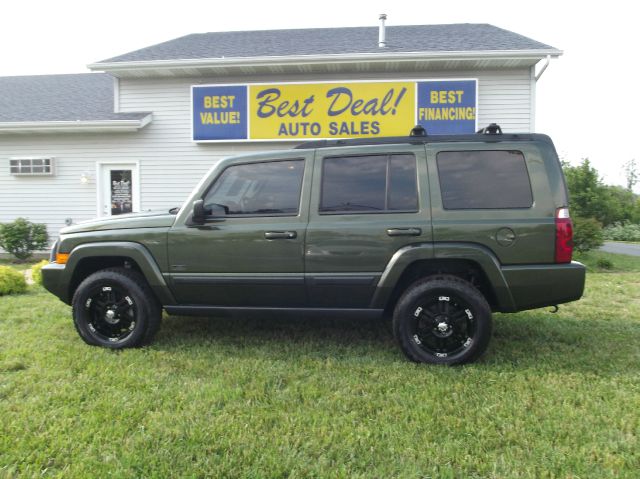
point(342, 257)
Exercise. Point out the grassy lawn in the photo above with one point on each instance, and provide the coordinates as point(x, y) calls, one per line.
point(557, 395)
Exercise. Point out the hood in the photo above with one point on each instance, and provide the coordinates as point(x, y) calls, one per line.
point(150, 219)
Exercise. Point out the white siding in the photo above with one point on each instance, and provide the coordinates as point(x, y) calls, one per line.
point(170, 163)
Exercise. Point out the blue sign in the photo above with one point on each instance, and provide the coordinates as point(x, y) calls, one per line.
point(447, 107)
point(220, 112)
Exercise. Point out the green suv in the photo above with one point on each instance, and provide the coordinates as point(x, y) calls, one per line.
point(435, 231)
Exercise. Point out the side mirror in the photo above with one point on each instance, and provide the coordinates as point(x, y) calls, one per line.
point(199, 212)
point(202, 215)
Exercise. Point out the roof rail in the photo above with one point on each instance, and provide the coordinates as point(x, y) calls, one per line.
point(491, 129)
point(492, 133)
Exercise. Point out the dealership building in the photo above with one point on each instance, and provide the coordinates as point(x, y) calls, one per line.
point(139, 132)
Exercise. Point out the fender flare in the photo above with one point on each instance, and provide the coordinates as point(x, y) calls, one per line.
point(128, 249)
point(473, 252)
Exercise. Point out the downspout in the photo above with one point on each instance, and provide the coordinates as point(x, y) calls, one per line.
point(544, 67)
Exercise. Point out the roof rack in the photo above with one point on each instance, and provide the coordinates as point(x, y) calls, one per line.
point(419, 136)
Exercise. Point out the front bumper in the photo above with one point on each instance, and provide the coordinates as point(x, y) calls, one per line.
point(536, 286)
point(52, 280)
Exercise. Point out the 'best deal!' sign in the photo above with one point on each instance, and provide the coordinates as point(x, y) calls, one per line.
point(288, 111)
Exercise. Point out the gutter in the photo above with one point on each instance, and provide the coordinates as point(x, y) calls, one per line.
point(319, 59)
point(74, 126)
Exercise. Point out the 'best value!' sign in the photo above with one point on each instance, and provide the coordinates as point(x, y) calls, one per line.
point(288, 111)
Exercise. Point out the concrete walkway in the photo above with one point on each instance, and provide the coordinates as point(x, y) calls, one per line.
point(28, 276)
point(621, 248)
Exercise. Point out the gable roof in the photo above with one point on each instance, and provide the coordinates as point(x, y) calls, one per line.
point(410, 47)
point(335, 41)
point(75, 101)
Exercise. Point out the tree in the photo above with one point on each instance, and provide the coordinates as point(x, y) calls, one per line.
point(631, 172)
point(587, 197)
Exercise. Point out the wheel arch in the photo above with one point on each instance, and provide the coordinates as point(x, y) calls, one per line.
point(469, 261)
point(88, 258)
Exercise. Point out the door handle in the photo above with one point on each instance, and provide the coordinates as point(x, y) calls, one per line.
point(404, 231)
point(280, 234)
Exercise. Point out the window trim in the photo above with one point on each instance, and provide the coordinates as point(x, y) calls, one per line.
point(386, 211)
point(263, 215)
point(526, 169)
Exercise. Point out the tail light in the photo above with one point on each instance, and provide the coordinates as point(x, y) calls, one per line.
point(564, 236)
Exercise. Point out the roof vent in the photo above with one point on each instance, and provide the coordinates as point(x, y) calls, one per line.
point(382, 39)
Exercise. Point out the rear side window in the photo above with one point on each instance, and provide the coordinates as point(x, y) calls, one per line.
point(495, 179)
point(369, 184)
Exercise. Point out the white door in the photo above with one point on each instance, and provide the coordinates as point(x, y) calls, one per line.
point(119, 190)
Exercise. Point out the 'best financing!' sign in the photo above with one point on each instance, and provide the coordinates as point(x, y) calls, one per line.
point(286, 111)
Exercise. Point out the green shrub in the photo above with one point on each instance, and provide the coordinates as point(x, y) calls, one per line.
point(36, 271)
point(11, 281)
point(604, 263)
point(623, 232)
point(21, 238)
point(587, 234)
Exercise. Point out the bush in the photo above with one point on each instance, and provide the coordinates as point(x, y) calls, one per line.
point(36, 271)
point(11, 281)
point(604, 263)
point(587, 234)
point(21, 238)
point(623, 232)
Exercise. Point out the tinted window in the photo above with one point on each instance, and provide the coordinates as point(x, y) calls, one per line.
point(369, 184)
point(259, 188)
point(484, 180)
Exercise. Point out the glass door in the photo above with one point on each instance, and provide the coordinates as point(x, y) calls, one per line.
point(119, 189)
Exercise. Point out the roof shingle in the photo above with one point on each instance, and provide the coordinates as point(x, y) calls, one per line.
point(76, 97)
point(333, 41)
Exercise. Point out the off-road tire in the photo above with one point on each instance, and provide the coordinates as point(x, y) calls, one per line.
point(421, 326)
point(139, 309)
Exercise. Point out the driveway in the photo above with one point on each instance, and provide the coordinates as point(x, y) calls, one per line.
point(621, 248)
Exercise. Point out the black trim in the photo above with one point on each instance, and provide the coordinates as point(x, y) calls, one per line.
point(232, 311)
point(271, 280)
point(343, 280)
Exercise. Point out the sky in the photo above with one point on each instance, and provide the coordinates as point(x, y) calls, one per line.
point(587, 100)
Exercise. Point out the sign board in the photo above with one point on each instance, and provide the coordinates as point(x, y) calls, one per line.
point(291, 111)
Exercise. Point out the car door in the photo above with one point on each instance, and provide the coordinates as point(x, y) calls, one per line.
point(366, 204)
point(252, 255)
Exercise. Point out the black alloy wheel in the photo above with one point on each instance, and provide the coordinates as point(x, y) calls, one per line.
point(116, 308)
point(442, 320)
point(111, 311)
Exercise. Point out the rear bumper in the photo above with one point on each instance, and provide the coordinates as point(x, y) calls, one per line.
point(53, 281)
point(535, 286)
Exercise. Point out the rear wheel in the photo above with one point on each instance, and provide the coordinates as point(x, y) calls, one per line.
point(442, 320)
point(115, 308)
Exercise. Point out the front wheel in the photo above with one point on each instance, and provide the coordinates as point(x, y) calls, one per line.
point(115, 308)
point(442, 320)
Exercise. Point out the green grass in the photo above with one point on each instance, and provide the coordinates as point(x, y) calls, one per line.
point(557, 395)
point(621, 262)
